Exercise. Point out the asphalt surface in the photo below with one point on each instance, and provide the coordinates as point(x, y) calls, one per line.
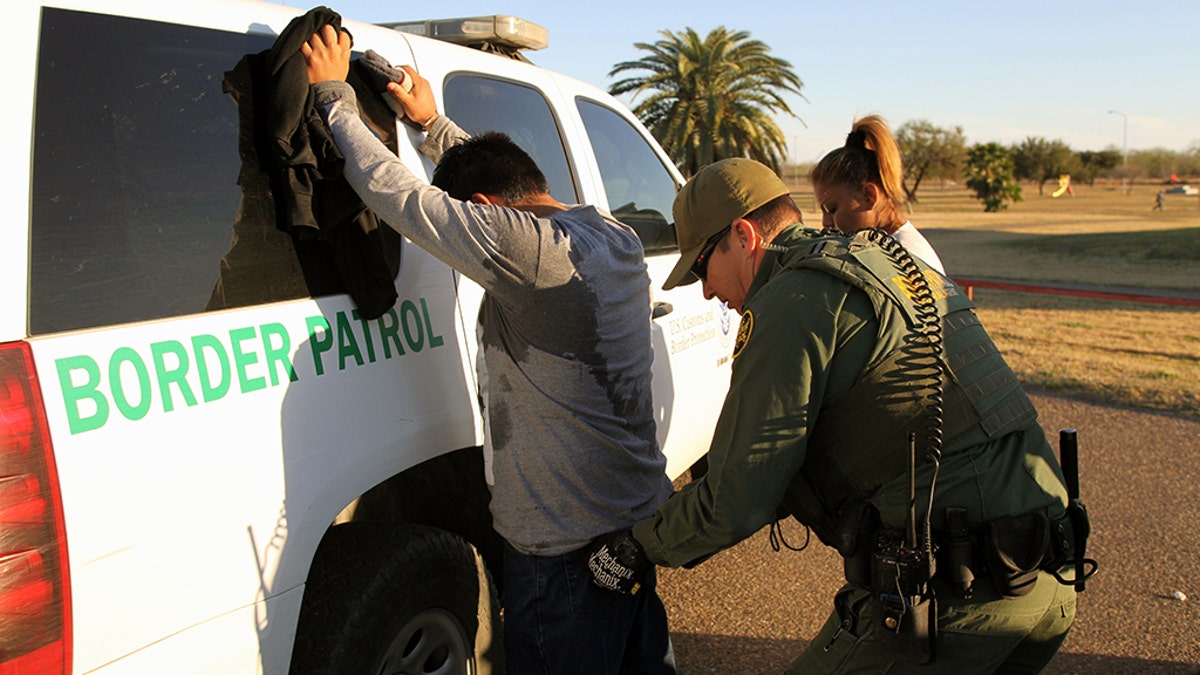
point(751, 610)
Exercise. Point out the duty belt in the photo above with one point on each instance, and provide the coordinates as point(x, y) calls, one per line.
point(1009, 551)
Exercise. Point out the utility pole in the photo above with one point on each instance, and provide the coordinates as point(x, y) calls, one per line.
point(796, 160)
point(1124, 147)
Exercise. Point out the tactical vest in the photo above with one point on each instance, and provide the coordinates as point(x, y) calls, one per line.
point(859, 441)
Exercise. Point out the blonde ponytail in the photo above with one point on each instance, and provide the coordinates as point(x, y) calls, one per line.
point(870, 155)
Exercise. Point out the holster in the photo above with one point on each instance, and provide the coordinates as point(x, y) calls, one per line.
point(1070, 534)
point(854, 538)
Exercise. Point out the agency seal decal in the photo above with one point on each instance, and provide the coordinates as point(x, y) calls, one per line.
point(725, 321)
point(743, 335)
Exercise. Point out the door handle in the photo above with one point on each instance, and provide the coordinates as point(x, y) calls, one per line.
point(661, 309)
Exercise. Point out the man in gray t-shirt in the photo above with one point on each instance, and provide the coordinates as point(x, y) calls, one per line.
point(566, 357)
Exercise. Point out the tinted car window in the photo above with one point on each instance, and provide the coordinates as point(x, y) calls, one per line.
point(138, 208)
point(481, 104)
point(640, 189)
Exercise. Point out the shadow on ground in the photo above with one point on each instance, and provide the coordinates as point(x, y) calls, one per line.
point(725, 654)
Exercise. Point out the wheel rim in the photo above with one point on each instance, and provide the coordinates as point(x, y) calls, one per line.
point(432, 643)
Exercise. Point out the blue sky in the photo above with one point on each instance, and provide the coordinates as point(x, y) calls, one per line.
point(1001, 71)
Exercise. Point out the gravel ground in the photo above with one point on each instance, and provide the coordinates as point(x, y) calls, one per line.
point(752, 610)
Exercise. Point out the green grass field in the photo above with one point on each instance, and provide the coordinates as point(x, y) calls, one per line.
point(1135, 354)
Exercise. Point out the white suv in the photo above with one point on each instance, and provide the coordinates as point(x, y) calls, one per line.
point(209, 461)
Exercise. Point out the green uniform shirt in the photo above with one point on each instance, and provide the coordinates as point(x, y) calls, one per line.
point(811, 339)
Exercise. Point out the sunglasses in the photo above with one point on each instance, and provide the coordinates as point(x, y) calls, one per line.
point(700, 267)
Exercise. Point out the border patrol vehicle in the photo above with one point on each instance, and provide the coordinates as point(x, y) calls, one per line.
point(202, 458)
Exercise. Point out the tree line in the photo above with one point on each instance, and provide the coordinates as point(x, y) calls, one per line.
point(712, 97)
point(993, 170)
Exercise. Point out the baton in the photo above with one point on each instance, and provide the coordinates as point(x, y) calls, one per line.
point(1068, 450)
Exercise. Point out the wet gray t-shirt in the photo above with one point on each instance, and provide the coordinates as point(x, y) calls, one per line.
point(565, 340)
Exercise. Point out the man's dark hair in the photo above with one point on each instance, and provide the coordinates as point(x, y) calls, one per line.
point(775, 215)
point(489, 164)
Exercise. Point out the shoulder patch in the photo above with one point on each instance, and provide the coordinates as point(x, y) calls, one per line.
point(743, 335)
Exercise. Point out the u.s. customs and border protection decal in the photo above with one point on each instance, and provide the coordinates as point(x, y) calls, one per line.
point(743, 335)
point(725, 325)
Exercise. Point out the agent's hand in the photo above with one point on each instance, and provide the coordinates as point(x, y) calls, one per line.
point(417, 103)
point(618, 562)
point(327, 54)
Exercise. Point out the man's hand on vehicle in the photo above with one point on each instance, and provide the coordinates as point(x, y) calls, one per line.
point(618, 562)
point(419, 106)
point(327, 54)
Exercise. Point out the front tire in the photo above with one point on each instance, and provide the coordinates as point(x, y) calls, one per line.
point(390, 600)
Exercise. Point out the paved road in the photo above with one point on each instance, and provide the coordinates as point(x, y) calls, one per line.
point(750, 610)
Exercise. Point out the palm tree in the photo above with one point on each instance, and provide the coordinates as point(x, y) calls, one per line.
point(711, 98)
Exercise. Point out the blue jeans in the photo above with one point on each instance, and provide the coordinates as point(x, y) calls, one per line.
point(557, 621)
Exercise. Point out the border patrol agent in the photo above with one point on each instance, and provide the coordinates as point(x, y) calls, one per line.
point(814, 426)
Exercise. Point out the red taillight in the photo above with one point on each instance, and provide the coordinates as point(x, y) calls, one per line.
point(35, 598)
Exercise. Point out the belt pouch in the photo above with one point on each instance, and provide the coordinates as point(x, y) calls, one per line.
point(1015, 548)
point(905, 632)
point(855, 536)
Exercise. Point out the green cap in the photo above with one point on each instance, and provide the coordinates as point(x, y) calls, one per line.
point(717, 195)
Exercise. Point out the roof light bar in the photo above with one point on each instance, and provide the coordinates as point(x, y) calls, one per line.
point(498, 29)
